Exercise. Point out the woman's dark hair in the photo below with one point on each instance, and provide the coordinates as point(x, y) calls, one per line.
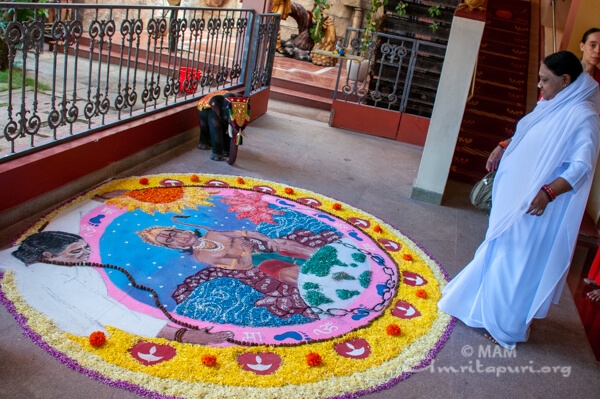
point(55, 242)
point(564, 63)
point(587, 34)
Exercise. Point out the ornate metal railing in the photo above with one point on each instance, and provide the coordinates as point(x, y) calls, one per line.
point(399, 73)
point(85, 68)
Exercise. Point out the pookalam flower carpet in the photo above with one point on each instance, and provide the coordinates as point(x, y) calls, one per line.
point(215, 286)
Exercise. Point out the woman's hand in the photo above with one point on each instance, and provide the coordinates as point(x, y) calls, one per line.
point(546, 194)
point(539, 204)
point(494, 159)
point(205, 337)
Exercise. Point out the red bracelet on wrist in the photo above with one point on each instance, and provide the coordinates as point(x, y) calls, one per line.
point(549, 192)
point(503, 145)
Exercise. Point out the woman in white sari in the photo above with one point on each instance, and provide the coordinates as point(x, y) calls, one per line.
point(539, 195)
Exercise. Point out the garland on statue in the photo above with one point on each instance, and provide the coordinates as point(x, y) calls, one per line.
point(239, 113)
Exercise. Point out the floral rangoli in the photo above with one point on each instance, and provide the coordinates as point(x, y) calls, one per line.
point(213, 286)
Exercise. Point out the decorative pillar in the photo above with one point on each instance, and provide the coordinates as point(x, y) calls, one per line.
point(357, 15)
point(261, 6)
point(451, 98)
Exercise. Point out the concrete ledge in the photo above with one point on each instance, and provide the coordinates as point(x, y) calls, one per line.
point(426, 196)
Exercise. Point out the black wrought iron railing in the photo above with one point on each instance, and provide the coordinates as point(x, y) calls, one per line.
point(75, 69)
point(403, 62)
point(395, 72)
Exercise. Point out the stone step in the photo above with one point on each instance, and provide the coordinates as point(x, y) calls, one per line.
point(303, 98)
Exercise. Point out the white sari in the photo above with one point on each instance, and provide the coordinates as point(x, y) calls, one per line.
point(521, 266)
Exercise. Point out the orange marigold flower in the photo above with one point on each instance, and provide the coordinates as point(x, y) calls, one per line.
point(393, 329)
point(377, 229)
point(240, 180)
point(422, 294)
point(337, 206)
point(157, 195)
point(144, 180)
point(194, 178)
point(407, 257)
point(313, 359)
point(289, 190)
point(97, 338)
point(209, 360)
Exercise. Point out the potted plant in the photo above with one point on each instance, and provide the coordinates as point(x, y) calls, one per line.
point(433, 11)
point(316, 32)
point(358, 68)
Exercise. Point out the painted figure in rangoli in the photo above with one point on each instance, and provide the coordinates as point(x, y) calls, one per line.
point(234, 250)
point(76, 297)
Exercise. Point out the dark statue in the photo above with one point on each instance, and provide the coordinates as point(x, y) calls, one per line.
point(223, 116)
point(301, 45)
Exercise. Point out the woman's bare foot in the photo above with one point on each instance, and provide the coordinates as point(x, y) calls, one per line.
point(594, 295)
point(589, 281)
